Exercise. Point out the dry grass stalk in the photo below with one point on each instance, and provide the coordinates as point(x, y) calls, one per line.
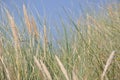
point(33, 24)
point(79, 21)
point(89, 18)
point(14, 30)
point(110, 11)
point(62, 68)
point(99, 27)
point(74, 76)
point(113, 14)
point(42, 75)
point(0, 49)
point(46, 70)
point(45, 41)
point(1, 59)
point(16, 40)
point(88, 30)
point(27, 20)
point(107, 64)
point(6, 70)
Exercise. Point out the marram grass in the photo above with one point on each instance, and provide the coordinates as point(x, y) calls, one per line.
point(82, 53)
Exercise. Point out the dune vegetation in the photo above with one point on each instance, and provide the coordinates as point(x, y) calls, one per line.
point(87, 49)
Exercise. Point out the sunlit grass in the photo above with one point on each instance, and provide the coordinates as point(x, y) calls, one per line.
point(82, 53)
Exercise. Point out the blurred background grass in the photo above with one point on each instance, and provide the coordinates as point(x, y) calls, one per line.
point(79, 48)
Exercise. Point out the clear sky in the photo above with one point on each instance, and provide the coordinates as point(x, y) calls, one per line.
point(53, 9)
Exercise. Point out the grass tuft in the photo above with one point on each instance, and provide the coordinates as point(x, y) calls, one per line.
point(83, 47)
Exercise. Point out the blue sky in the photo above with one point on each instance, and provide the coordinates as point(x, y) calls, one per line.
point(53, 8)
